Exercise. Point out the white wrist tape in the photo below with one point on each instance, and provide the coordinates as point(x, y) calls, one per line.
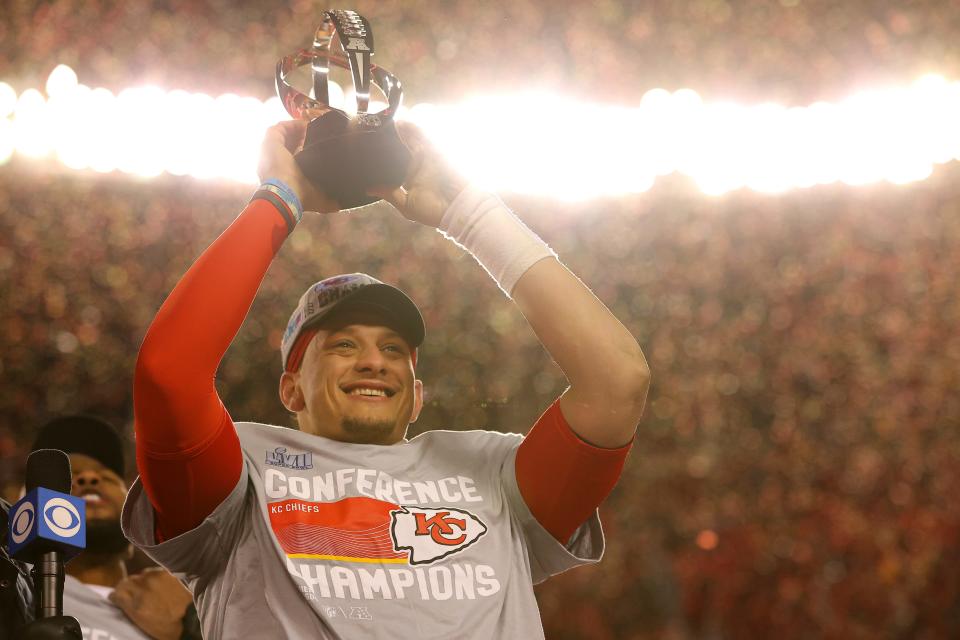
point(479, 222)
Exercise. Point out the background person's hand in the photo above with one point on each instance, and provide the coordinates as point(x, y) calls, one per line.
point(431, 184)
point(154, 601)
point(280, 143)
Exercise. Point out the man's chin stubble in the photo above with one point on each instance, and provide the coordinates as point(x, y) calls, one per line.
point(106, 536)
point(369, 431)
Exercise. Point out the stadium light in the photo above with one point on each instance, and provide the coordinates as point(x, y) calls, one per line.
point(8, 99)
point(62, 81)
point(530, 143)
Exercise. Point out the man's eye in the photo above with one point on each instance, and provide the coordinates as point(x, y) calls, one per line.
point(394, 348)
point(342, 344)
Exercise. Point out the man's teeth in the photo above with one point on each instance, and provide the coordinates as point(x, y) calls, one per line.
point(92, 497)
point(367, 392)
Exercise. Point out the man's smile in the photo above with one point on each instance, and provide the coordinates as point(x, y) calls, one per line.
point(368, 390)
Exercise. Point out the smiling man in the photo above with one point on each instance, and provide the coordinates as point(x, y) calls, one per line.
point(338, 321)
point(344, 528)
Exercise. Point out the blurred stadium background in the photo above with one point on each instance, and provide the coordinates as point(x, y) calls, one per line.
point(797, 470)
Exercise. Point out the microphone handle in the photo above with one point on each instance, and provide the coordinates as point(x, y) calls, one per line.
point(48, 584)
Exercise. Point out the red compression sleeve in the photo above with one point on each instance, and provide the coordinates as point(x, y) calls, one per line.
point(188, 452)
point(562, 478)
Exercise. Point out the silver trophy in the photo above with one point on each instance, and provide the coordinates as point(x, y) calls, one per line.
point(343, 155)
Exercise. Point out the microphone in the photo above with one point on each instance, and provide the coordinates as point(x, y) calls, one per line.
point(47, 527)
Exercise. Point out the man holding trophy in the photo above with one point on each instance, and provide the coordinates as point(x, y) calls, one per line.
point(344, 528)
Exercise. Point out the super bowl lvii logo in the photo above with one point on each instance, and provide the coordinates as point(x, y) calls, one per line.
point(280, 458)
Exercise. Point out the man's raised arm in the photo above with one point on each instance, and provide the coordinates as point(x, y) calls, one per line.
point(572, 457)
point(602, 361)
point(188, 453)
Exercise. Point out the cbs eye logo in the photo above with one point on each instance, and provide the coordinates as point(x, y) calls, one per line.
point(62, 517)
point(22, 523)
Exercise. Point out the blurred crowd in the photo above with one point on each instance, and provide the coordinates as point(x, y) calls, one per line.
point(796, 472)
point(793, 51)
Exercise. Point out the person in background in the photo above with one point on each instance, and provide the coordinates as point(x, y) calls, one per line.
point(97, 591)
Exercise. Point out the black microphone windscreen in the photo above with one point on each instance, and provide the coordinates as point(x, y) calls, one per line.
point(49, 468)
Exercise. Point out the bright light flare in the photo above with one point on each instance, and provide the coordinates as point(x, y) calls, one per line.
point(139, 129)
point(62, 81)
point(538, 143)
point(541, 144)
point(533, 143)
point(8, 103)
point(7, 144)
point(30, 133)
point(97, 139)
point(8, 99)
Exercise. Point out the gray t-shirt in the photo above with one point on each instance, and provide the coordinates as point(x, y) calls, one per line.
point(428, 538)
point(99, 618)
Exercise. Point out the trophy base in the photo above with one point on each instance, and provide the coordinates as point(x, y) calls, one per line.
point(343, 159)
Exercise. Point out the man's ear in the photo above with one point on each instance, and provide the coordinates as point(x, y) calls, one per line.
point(290, 393)
point(417, 400)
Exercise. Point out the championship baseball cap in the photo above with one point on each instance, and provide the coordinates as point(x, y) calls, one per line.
point(84, 434)
point(350, 291)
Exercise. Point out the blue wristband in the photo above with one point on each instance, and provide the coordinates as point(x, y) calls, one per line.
point(285, 193)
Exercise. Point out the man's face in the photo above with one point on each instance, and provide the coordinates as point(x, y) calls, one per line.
point(102, 489)
point(104, 492)
point(355, 383)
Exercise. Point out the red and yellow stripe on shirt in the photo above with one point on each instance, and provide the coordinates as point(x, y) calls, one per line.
point(348, 530)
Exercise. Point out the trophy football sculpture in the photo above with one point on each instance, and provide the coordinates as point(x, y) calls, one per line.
point(343, 155)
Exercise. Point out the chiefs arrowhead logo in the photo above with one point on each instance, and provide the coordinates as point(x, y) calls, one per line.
point(431, 534)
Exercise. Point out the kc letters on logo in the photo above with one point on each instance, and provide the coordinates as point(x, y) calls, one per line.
point(431, 534)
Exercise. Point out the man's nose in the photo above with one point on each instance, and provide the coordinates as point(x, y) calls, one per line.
point(85, 480)
point(371, 359)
